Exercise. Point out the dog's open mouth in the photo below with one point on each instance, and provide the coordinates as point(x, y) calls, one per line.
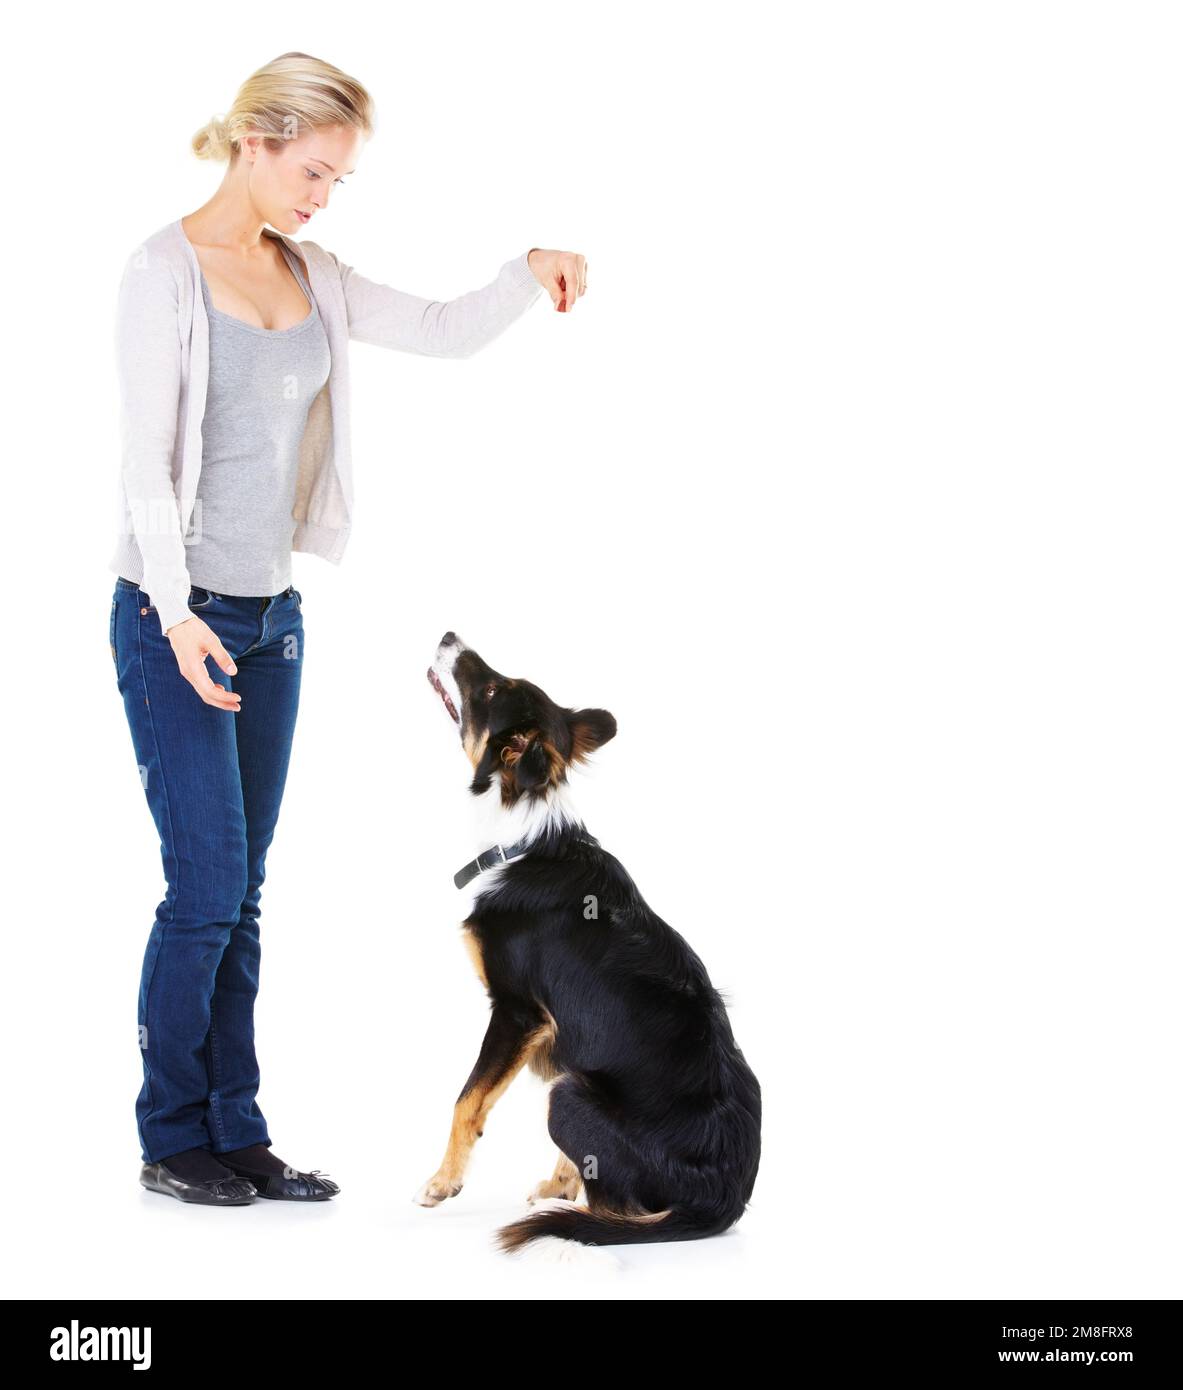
point(443, 694)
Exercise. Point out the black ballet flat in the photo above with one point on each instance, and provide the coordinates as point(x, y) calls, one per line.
point(300, 1187)
point(234, 1191)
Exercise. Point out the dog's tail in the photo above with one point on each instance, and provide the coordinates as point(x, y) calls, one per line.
point(604, 1227)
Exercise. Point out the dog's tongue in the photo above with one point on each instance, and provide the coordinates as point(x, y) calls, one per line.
point(443, 694)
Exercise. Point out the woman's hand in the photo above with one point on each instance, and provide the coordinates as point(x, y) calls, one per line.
point(192, 641)
point(562, 274)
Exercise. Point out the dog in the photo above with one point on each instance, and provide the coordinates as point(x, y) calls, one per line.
point(654, 1110)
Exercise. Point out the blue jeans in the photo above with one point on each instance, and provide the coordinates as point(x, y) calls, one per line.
point(213, 781)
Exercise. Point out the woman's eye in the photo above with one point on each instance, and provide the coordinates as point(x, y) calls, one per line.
point(312, 174)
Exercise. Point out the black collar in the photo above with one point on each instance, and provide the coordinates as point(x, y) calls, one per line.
point(502, 854)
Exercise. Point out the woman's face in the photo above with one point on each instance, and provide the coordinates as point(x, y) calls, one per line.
point(298, 176)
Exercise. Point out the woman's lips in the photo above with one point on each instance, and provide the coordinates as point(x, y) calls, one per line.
point(303, 216)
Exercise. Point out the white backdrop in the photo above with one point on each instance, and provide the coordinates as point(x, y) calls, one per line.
point(850, 488)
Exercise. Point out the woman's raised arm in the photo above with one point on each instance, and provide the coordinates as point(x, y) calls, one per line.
point(391, 318)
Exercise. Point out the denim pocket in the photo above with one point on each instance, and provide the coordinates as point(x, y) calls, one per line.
point(114, 658)
point(198, 598)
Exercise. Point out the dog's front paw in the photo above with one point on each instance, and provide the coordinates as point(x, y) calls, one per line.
point(436, 1190)
point(565, 1188)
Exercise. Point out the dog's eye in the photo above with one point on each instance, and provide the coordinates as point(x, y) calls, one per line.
point(490, 690)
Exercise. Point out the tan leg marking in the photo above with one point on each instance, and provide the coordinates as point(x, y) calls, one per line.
point(473, 947)
point(565, 1182)
point(471, 1111)
point(541, 1061)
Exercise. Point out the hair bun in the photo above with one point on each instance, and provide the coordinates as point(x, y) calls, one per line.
point(212, 141)
point(295, 88)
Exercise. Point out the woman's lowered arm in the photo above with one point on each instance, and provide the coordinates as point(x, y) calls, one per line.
point(148, 366)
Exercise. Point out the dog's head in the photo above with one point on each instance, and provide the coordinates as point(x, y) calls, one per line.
point(511, 727)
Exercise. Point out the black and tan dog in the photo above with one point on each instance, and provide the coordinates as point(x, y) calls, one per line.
point(654, 1110)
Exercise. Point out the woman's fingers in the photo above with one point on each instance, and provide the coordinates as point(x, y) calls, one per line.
point(564, 274)
point(210, 691)
point(192, 642)
point(569, 270)
point(221, 655)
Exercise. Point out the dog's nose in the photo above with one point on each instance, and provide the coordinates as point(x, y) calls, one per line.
point(448, 639)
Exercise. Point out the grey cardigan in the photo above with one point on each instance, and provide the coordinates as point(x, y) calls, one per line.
point(162, 360)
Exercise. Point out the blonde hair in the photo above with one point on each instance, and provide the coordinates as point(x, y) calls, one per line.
point(286, 98)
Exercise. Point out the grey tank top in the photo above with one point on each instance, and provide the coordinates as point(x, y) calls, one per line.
point(262, 382)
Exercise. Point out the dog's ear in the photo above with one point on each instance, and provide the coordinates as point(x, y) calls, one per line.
point(527, 758)
point(590, 729)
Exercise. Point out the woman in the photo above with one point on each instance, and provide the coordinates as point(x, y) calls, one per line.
point(233, 371)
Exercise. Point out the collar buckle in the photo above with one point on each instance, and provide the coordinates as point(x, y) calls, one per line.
point(484, 861)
